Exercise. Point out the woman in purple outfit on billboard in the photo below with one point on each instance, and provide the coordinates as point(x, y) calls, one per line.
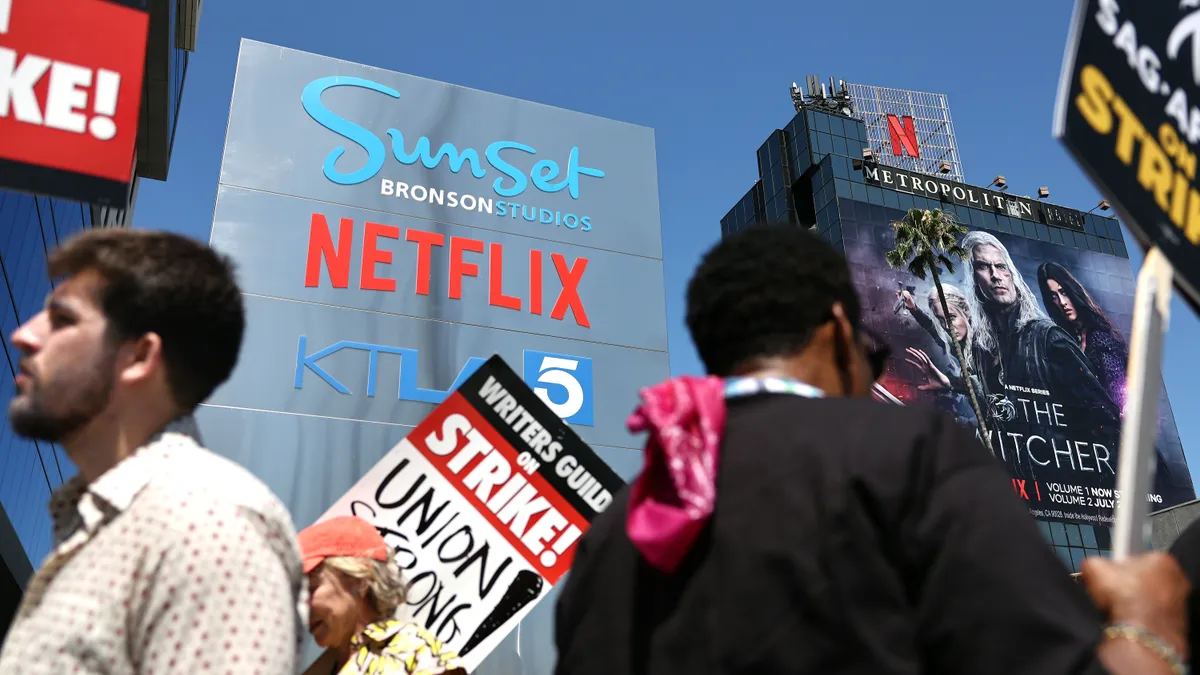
point(1070, 306)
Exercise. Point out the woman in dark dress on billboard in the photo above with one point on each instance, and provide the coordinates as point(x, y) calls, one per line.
point(1072, 307)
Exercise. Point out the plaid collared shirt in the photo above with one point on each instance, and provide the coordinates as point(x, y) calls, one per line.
point(174, 561)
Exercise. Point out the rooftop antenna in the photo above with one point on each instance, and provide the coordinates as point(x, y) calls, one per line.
point(834, 98)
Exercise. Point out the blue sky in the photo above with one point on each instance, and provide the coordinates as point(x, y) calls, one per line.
point(710, 78)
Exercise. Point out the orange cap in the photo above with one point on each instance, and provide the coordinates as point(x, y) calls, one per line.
point(344, 536)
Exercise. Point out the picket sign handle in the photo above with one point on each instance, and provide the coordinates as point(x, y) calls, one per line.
point(1143, 384)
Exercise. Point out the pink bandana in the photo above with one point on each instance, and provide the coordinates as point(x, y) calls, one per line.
point(674, 496)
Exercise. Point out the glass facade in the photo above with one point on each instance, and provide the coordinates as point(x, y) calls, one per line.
point(1074, 542)
point(793, 185)
point(30, 227)
point(830, 193)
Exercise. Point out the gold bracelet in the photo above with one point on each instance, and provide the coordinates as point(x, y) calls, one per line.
point(1143, 637)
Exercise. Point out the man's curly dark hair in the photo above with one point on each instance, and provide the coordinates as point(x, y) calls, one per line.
point(158, 282)
point(762, 292)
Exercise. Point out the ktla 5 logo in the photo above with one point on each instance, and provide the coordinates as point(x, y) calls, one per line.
point(564, 383)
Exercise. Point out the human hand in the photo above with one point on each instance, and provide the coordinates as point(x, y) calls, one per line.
point(1148, 590)
point(935, 380)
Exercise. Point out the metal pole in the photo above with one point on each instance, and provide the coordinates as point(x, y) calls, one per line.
point(1135, 472)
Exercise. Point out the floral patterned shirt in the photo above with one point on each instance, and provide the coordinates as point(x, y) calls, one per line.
point(393, 647)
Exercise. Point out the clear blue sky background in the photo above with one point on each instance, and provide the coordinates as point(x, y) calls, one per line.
point(711, 79)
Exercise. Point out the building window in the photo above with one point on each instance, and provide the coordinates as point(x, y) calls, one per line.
point(849, 229)
point(1074, 543)
point(840, 170)
point(835, 126)
point(824, 144)
point(1114, 229)
point(835, 231)
point(819, 121)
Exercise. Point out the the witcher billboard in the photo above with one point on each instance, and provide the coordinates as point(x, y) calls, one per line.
point(1044, 332)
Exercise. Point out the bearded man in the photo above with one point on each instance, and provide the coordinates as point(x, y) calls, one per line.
point(167, 558)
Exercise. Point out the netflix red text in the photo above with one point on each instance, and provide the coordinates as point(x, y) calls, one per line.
point(469, 258)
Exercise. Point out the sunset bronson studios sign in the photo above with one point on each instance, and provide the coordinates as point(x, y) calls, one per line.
point(1129, 110)
point(391, 234)
point(509, 182)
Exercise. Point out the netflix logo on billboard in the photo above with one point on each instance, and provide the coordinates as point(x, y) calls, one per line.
point(70, 94)
point(903, 133)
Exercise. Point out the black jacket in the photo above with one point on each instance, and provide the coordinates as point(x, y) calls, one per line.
point(848, 537)
point(1186, 550)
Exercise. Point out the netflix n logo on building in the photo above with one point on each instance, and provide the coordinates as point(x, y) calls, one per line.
point(70, 94)
point(903, 132)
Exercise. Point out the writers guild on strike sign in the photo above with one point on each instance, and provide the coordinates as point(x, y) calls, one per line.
point(484, 503)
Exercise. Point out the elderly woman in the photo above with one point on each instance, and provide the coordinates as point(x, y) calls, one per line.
point(356, 590)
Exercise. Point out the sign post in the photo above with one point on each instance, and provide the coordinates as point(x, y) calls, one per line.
point(1151, 315)
point(1128, 109)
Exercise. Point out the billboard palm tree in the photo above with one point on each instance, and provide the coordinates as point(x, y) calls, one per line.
point(925, 242)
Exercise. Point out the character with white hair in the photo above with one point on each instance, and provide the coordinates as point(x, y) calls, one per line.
point(1017, 344)
point(948, 385)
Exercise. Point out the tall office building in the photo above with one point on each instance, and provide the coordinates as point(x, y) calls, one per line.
point(30, 226)
point(1042, 306)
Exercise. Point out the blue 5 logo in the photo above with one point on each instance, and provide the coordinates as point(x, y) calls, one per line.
point(563, 382)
